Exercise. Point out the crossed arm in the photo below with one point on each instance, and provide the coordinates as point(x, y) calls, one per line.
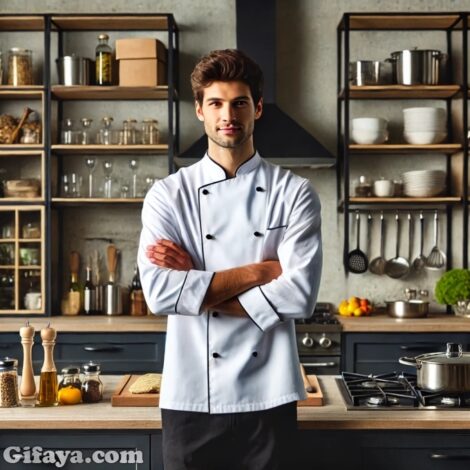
point(225, 285)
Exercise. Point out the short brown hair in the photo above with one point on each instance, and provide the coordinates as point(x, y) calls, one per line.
point(227, 65)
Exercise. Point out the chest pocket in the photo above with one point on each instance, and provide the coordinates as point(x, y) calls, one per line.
point(272, 240)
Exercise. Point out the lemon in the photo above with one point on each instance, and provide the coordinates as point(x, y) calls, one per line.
point(69, 395)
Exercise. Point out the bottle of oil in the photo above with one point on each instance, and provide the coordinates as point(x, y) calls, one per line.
point(104, 64)
point(48, 384)
point(137, 300)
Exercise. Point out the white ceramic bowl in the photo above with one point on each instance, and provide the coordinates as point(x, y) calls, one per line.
point(424, 137)
point(370, 123)
point(428, 111)
point(384, 188)
point(366, 137)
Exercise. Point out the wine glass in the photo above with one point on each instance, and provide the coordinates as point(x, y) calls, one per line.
point(108, 171)
point(90, 164)
point(133, 165)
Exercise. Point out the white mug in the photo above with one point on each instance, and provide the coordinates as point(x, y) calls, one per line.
point(384, 188)
point(32, 300)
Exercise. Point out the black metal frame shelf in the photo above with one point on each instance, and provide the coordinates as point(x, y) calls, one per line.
point(447, 23)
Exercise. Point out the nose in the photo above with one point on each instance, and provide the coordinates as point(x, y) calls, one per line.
point(227, 113)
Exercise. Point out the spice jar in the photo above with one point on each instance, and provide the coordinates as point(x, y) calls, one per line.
point(70, 377)
point(20, 67)
point(92, 387)
point(29, 136)
point(8, 382)
point(150, 132)
point(363, 187)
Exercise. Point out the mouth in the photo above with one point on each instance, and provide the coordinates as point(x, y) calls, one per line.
point(229, 130)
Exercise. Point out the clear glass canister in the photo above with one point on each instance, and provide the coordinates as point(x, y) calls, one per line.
point(68, 134)
point(20, 67)
point(70, 377)
point(8, 382)
point(106, 135)
point(86, 136)
point(128, 135)
point(150, 132)
point(363, 187)
point(92, 387)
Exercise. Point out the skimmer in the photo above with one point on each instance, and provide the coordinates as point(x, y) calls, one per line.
point(437, 258)
point(357, 259)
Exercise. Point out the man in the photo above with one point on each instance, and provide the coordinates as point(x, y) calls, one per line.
point(231, 251)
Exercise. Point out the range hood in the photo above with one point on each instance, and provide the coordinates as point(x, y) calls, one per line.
point(277, 137)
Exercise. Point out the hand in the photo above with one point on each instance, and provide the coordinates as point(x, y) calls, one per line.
point(168, 254)
point(268, 271)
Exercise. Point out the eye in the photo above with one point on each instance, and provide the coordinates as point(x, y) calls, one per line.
point(239, 103)
point(214, 103)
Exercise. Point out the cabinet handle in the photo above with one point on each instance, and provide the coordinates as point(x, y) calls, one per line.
point(425, 347)
point(319, 364)
point(436, 456)
point(102, 348)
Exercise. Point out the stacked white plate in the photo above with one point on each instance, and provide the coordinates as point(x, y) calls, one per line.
point(424, 183)
point(424, 126)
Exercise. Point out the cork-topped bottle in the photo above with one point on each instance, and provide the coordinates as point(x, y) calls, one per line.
point(48, 381)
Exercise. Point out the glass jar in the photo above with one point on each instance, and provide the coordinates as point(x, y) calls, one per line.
point(92, 387)
point(363, 187)
point(150, 132)
point(70, 377)
point(103, 55)
point(106, 134)
point(32, 230)
point(68, 134)
point(8, 382)
point(128, 135)
point(29, 136)
point(20, 67)
point(85, 134)
point(1, 68)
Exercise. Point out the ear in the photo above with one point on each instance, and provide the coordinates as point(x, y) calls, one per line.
point(259, 109)
point(199, 112)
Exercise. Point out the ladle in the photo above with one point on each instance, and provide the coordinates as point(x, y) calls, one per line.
point(420, 260)
point(397, 267)
point(377, 265)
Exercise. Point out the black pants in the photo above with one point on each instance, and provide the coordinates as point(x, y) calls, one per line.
point(259, 440)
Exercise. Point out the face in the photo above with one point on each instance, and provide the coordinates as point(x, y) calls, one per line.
point(228, 113)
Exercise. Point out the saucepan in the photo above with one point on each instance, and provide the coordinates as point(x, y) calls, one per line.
point(370, 72)
point(407, 308)
point(447, 371)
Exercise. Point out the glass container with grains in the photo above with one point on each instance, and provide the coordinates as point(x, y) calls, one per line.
point(8, 382)
point(92, 387)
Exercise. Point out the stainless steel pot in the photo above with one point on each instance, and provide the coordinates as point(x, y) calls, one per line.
point(73, 70)
point(417, 66)
point(370, 72)
point(408, 308)
point(442, 371)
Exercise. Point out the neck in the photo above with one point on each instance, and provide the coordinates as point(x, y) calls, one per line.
point(231, 158)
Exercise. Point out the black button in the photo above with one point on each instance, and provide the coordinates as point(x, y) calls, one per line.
point(255, 354)
point(258, 234)
point(209, 236)
point(205, 191)
point(259, 189)
point(215, 355)
point(215, 314)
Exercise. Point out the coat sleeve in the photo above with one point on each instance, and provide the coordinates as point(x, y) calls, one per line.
point(167, 291)
point(293, 294)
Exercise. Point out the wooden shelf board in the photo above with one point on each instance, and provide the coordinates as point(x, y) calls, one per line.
point(30, 267)
point(404, 200)
point(21, 23)
point(22, 312)
point(110, 22)
point(101, 200)
point(82, 92)
point(29, 240)
point(123, 149)
point(401, 22)
point(11, 200)
point(402, 91)
point(7, 266)
point(405, 148)
point(21, 93)
point(7, 240)
point(21, 146)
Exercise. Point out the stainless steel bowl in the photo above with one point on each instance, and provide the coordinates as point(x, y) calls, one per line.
point(370, 72)
point(408, 308)
point(73, 70)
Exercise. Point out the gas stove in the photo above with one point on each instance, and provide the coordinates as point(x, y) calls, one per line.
point(319, 341)
point(394, 391)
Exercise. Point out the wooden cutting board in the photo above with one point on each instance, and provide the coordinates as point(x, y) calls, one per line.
point(122, 396)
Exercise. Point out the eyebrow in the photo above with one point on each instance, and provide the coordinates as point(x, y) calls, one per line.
point(235, 99)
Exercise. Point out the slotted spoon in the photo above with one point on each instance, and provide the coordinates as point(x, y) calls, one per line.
point(437, 258)
point(397, 267)
point(420, 261)
point(357, 259)
point(377, 265)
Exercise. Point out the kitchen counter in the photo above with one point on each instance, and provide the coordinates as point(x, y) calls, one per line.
point(333, 415)
point(94, 324)
point(434, 323)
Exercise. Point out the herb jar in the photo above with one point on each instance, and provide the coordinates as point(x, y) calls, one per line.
point(8, 382)
point(70, 377)
point(150, 132)
point(363, 187)
point(20, 67)
point(92, 387)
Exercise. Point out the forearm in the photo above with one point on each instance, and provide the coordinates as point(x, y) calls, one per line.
point(231, 307)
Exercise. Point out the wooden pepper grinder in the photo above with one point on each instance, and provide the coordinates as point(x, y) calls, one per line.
point(28, 387)
point(48, 381)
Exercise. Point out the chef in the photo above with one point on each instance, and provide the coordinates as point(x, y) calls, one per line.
point(231, 251)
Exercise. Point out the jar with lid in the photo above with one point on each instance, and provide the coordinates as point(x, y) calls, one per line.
point(29, 136)
point(8, 382)
point(68, 133)
point(363, 187)
point(106, 134)
point(20, 67)
point(86, 133)
point(103, 53)
point(70, 377)
point(92, 387)
point(128, 135)
point(150, 132)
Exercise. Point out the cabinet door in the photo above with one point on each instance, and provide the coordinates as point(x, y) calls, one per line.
point(378, 353)
point(90, 450)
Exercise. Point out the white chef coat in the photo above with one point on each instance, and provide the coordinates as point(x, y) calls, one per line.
point(218, 363)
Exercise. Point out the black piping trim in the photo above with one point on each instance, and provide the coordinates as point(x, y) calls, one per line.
point(279, 226)
point(270, 304)
point(238, 167)
point(251, 318)
point(181, 290)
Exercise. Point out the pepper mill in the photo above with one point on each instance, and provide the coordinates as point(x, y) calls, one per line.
point(48, 395)
point(28, 387)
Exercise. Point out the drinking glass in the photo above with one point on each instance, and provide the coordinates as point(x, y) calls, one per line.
point(125, 190)
point(90, 164)
point(85, 135)
point(133, 165)
point(108, 171)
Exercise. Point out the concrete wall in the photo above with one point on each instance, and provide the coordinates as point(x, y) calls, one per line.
point(306, 91)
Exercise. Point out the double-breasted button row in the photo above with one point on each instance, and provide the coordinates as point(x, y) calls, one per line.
point(216, 355)
point(211, 237)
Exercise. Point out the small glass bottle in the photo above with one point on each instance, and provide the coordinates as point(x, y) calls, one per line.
point(103, 53)
point(150, 132)
point(92, 387)
point(8, 382)
point(20, 67)
point(68, 134)
point(70, 377)
point(85, 134)
point(137, 299)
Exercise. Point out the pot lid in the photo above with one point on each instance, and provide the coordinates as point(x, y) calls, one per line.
point(415, 49)
point(453, 355)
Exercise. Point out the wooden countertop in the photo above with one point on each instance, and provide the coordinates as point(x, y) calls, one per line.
point(333, 415)
point(434, 323)
point(93, 324)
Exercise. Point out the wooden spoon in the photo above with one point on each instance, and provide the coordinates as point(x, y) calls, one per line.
point(14, 135)
point(308, 386)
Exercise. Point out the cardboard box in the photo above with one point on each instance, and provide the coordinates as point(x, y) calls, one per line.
point(142, 62)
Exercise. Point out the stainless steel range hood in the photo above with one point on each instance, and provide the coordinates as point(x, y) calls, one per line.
point(277, 137)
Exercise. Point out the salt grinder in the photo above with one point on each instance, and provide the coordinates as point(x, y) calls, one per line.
point(28, 387)
point(48, 382)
